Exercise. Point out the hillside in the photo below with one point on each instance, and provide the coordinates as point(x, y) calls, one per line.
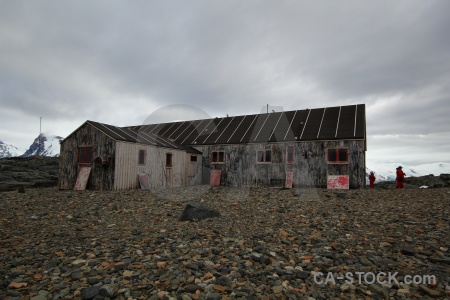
point(29, 172)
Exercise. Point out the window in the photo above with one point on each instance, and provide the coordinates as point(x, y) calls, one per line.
point(290, 154)
point(193, 157)
point(217, 157)
point(141, 157)
point(337, 156)
point(168, 160)
point(264, 156)
point(85, 154)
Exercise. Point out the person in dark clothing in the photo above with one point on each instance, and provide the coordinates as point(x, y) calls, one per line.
point(372, 180)
point(400, 178)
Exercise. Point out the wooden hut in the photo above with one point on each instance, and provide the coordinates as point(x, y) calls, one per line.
point(322, 147)
point(116, 156)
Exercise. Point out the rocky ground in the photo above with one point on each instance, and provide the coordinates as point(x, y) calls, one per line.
point(37, 171)
point(267, 244)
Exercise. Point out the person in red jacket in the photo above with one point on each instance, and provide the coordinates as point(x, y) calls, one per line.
point(400, 178)
point(372, 180)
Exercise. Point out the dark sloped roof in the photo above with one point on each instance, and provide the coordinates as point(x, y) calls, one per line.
point(126, 134)
point(329, 123)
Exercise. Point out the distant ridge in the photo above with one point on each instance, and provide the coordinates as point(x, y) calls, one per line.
point(44, 145)
point(8, 150)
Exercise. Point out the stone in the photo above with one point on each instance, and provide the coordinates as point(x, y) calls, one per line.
point(224, 280)
point(441, 260)
point(42, 295)
point(219, 288)
point(342, 195)
point(192, 288)
point(198, 211)
point(407, 251)
point(79, 262)
point(76, 275)
point(17, 285)
point(302, 275)
point(213, 296)
point(89, 292)
point(277, 289)
point(108, 290)
point(430, 292)
point(39, 297)
point(403, 292)
point(94, 279)
point(377, 289)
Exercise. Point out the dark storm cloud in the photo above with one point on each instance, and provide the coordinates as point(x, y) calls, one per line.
point(117, 62)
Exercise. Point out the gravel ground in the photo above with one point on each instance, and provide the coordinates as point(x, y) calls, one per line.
point(267, 244)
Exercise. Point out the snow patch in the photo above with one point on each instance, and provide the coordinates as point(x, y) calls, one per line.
point(8, 150)
point(386, 171)
point(44, 145)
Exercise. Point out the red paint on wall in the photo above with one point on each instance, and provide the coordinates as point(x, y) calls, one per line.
point(82, 179)
point(215, 177)
point(338, 182)
point(289, 176)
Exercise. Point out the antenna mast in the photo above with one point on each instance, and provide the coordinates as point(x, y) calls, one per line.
point(40, 129)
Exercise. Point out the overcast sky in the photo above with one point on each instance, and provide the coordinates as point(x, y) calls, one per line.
point(118, 62)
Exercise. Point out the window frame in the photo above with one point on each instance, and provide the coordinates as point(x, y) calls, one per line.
point(85, 151)
point(338, 152)
point(194, 158)
point(144, 157)
point(264, 157)
point(217, 161)
point(169, 159)
point(290, 161)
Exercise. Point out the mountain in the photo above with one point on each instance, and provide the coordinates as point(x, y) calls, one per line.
point(8, 150)
point(386, 171)
point(44, 145)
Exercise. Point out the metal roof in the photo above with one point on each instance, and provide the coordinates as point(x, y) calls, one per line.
point(126, 134)
point(329, 123)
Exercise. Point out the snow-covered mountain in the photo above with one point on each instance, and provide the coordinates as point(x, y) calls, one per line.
point(8, 150)
point(386, 171)
point(44, 145)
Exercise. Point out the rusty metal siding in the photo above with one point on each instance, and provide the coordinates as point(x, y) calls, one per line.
point(102, 177)
point(310, 167)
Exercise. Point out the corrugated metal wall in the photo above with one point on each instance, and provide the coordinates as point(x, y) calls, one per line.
point(183, 171)
point(310, 167)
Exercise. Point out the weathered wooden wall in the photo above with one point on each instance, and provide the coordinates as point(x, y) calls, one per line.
point(102, 177)
point(183, 171)
point(310, 167)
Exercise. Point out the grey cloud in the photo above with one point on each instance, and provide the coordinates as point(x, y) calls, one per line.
point(118, 61)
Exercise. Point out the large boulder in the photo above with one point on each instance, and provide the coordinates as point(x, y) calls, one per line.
point(198, 211)
point(445, 178)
